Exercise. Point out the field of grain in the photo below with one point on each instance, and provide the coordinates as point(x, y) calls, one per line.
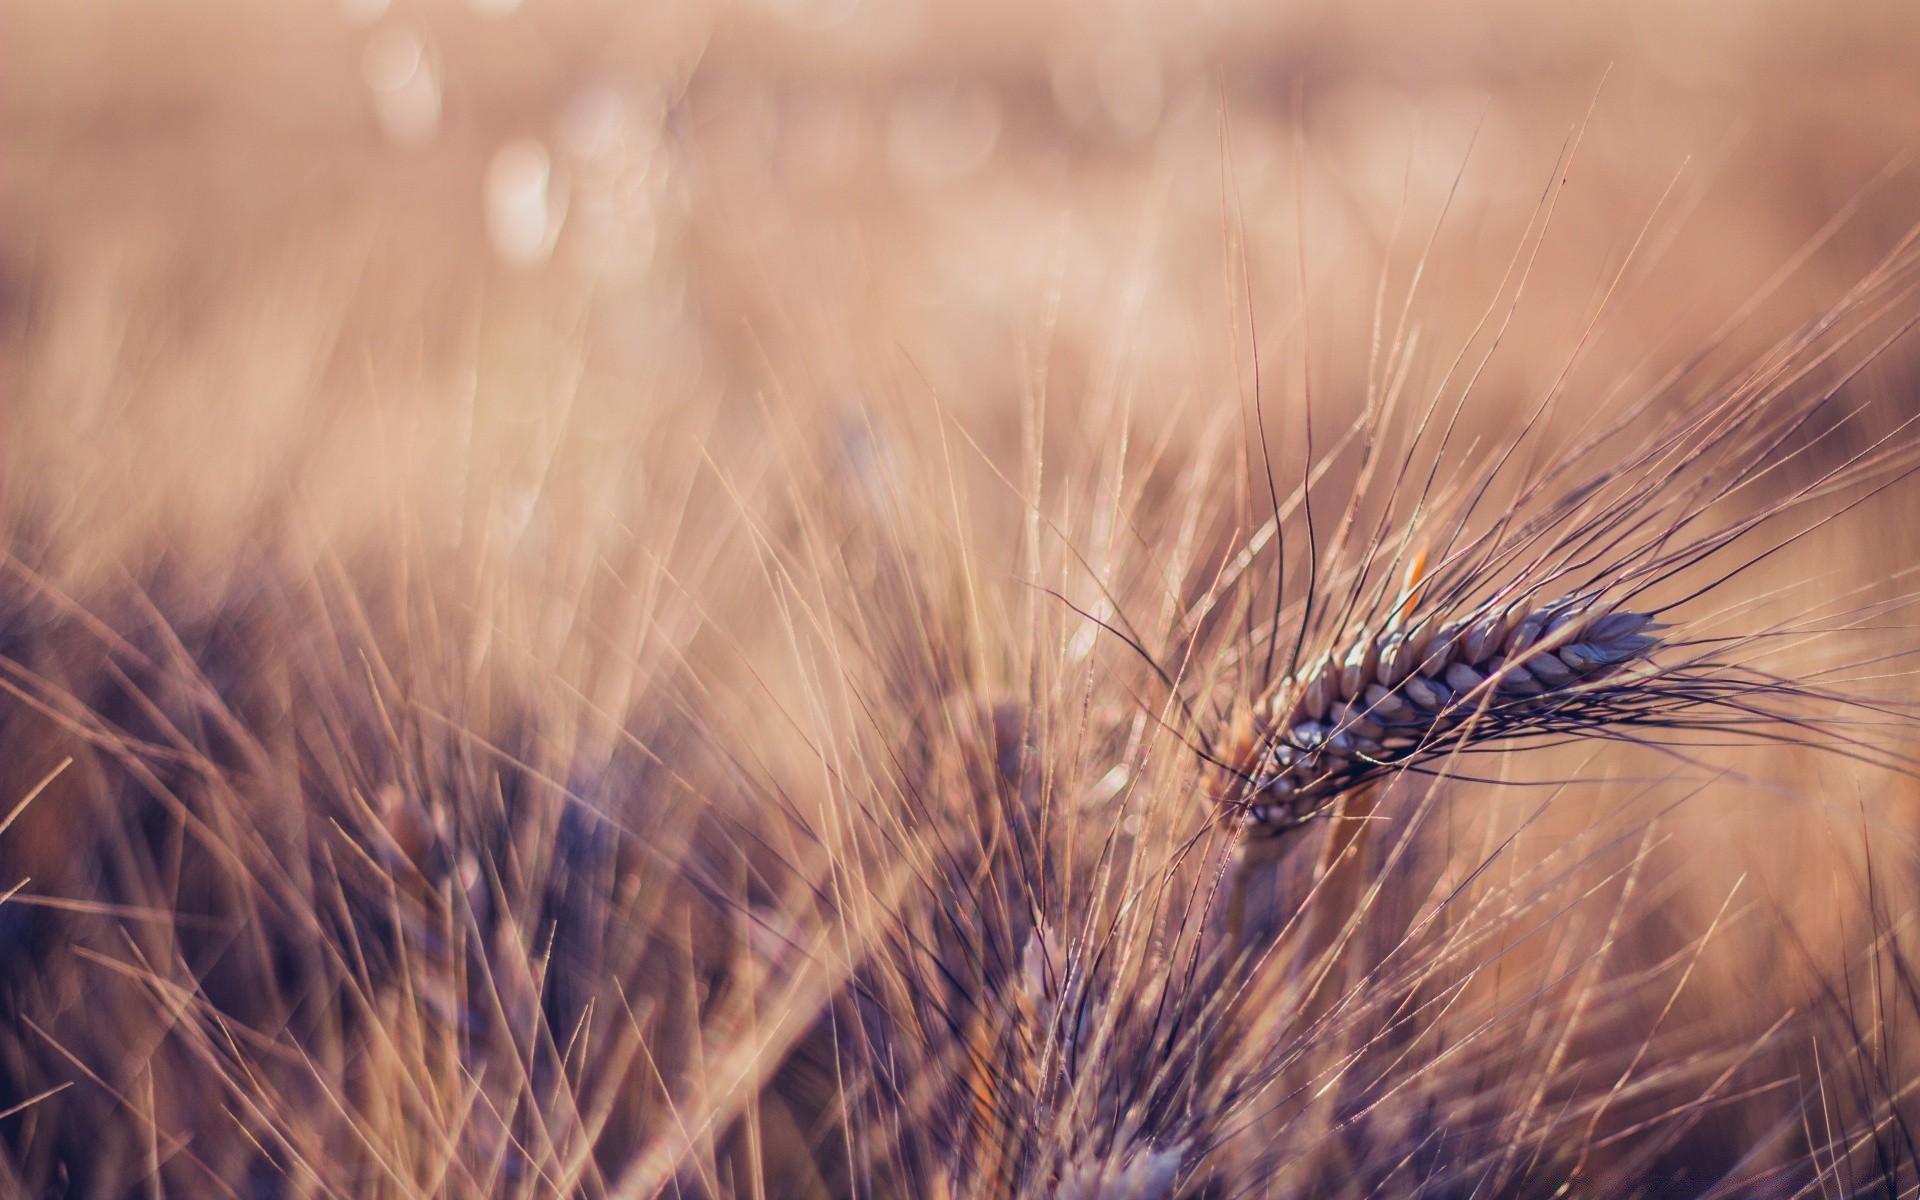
point(709, 600)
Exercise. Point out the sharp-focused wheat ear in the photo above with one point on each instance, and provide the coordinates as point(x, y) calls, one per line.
point(1408, 692)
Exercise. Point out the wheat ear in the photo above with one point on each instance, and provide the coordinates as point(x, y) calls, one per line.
point(1402, 696)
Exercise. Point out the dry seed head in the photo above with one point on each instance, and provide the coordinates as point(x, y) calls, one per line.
point(1395, 698)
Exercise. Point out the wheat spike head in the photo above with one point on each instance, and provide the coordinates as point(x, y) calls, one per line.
point(1405, 694)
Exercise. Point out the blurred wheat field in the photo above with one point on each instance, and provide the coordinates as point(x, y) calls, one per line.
point(570, 569)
